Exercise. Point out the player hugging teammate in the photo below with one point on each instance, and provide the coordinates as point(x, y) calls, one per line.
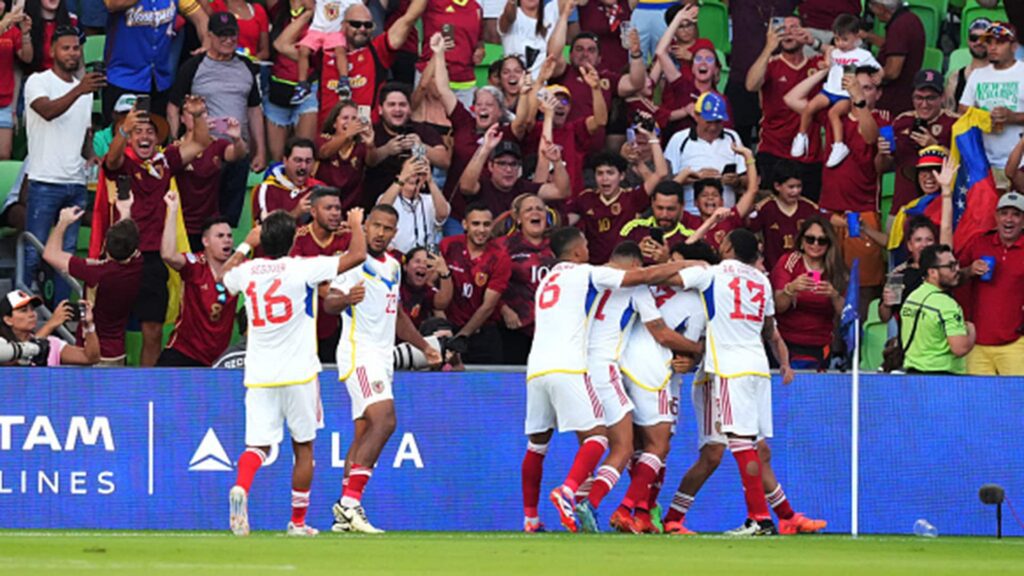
point(687, 309)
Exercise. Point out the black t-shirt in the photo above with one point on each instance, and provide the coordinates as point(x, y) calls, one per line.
point(379, 177)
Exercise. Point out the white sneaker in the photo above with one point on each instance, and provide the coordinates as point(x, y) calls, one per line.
point(839, 153)
point(301, 530)
point(355, 516)
point(752, 527)
point(239, 505)
point(800, 145)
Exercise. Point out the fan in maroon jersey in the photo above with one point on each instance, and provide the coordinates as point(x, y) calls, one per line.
point(426, 284)
point(778, 219)
point(341, 151)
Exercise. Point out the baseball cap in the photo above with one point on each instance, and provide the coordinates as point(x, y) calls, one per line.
point(704, 44)
point(931, 79)
point(16, 299)
point(507, 147)
point(223, 24)
point(712, 107)
point(932, 157)
point(1001, 31)
point(979, 25)
point(125, 103)
point(1011, 200)
point(558, 88)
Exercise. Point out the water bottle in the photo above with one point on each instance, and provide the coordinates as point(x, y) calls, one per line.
point(924, 529)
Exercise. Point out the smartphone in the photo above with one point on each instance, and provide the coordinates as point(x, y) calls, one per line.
point(419, 151)
point(920, 124)
point(219, 125)
point(448, 31)
point(778, 23)
point(98, 67)
point(77, 311)
point(124, 187)
point(815, 275)
point(142, 103)
point(729, 169)
point(658, 235)
point(849, 68)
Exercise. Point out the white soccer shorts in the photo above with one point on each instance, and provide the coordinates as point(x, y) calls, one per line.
point(607, 382)
point(746, 405)
point(654, 406)
point(267, 409)
point(708, 414)
point(369, 383)
point(566, 401)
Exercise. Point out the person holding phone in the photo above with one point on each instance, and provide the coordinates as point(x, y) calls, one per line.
point(420, 204)
point(341, 149)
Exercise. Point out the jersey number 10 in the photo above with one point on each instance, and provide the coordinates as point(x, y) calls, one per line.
point(756, 293)
point(270, 299)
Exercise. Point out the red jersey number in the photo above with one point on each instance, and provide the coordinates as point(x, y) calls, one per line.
point(599, 315)
point(277, 308)
point(550, 294)
point(752, 292)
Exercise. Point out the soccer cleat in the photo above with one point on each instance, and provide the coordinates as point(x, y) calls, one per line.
point(301, 530)
point(800, 524)
point(623, 522)
point(303, 90)
point(752, 527)
point(677, 528)
point(563, 499)
point(656, 518)
point(356, 519)
point(340, 522)
point(343, 89)
point(239, 504)
point(800, 145)
point(839, 153)
point(643, 523)
point(533, 527)
point(587, 517)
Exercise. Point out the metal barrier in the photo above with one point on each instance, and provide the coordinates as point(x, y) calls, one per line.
point(19, 279)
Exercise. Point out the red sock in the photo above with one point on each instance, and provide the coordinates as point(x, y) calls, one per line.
point(533, 471)
point(644, 472)
point(358, 476)
point(777, 500)
point(248, 463)
point(681, 503)
point(587, 457)
point(750, 473)
point(607, 476)
point(652, 498)
point(300, 503)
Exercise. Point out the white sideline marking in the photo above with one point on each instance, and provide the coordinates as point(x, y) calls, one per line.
point(77, 564)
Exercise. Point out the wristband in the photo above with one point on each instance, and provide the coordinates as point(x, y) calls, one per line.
point(90, 329)
point(751, 162)
point(636, 56)
point(445, 276)
point(244, 248)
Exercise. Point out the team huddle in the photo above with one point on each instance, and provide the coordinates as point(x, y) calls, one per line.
point(593, 369)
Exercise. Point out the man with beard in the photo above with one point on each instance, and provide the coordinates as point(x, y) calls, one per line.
point(395, 137)
point(288, 186)
point(207, 314)
point(368, 60)
point(323, 236)
point(480, 271)
point(365, 359)
point(979, 59)
point(135, 159)
point(663, 229)
point(781, 66)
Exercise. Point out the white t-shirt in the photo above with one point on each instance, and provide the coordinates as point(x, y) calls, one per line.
point(612, 317)
point(647, 363)
point(281, 304)
point(684, 151)
point(988, 88)
point(55, 146)
point(564, 300)
point(417, 222)
point(368, 328)
point(329, 15)
point(738, 298)
point(523, 35)
point(856, 57)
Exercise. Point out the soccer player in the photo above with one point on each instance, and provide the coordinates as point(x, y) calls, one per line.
point(612, 317)
point(740, 311)
point(281, 364)
point(558, 390)
point(365, 359)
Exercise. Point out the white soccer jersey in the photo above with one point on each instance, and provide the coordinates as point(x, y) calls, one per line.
point(562, 305)
point(737, 298)
point(611, 319)
point(647, 363)
point(368, 328)
point(281, 303)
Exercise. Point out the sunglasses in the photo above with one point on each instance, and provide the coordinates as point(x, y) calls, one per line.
point(975, 38)
point(951, 265)
point(705, 59)
point(357, 24)
point(819, 240)
point(222, 293)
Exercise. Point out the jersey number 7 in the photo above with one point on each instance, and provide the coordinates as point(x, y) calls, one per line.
point(755, 290)
point(270, 299)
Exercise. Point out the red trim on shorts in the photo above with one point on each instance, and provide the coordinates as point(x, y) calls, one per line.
point(594, 402)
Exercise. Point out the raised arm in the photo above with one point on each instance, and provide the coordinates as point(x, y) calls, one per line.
point(755, 76)
point(661, 169)
point(559, 188)
point(599, 119)
point(169, 241)
point(115, 155)
point(634, 81)
point(54, 253)
point(947, 180)
point(508, 16)
point(356, 254)
point(866, 124)
point(238, 148)
point(798, 98)
point(469, 182)
point(746, 202)
point(445, 286)
point(400, 28)
point(286, 41)
point(441, 82)
point(556, 42)
point(661, 51)
point(201, 138)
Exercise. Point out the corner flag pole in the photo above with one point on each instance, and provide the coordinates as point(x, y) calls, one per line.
point(855, 434)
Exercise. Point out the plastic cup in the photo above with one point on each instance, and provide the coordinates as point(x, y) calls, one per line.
point(853, 224)
point(624, 28)
point(894, 282)
point(991, 261)
point(887, 133)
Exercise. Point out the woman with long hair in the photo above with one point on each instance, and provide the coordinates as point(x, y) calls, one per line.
point(18, 321)
point(525, 27)
point(809, 284)
point(341, 153)
point(426, 284)
point(46, 16)
point(527, 247)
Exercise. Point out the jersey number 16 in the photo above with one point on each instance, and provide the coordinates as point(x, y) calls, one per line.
point(270, 299)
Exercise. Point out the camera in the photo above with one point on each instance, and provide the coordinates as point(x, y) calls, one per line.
point(30, 353)
point(408, 357)
point(77, 311)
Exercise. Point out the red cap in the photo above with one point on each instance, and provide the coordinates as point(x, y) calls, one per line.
point(704, 44)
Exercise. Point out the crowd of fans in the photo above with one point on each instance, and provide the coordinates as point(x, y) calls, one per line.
point(603, 114)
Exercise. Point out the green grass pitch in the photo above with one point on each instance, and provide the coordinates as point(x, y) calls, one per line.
point(195, 553)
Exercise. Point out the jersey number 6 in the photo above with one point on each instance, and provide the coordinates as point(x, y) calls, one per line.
point(550, 293)
point(270, 299)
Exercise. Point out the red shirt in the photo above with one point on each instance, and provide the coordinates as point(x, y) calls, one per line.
point(207, 314)
point(150, 181)
point(779, 231)
point(905, 158)
point(530, 264)
point(362, 77)
point(501, 200)
point(779, 124)
point(904, 36)
point(345, 171)
point(465, 141)
point(1002, 297)
point(853, 185)
point(605, 21)
point(418, 303)
point(199, 186)
point(822, 13)
point(278, 193)
point(716, 235)
point(112, 287)
point(810, 321)
point(249, 29)
point(582, 96)
point(472, 277)
point(466, 20)
point(412, 41)
point(306, 244)
point(10, 42)
point(601, 220)
point(679, 94)
point(575, 140)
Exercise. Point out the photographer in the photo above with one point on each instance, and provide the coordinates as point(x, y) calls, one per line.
point(18, 321)
point(421, 206)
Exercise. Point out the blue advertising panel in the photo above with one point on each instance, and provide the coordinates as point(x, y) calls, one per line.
point(156, 449)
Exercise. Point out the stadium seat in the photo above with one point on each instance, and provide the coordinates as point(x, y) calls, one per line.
point(94, 48)
point(9, 170)
point(958, 59)
point(245, 221)
point(713, 23)
point(723, 77)
point(931, 19)
point(872, 343)
point(973, 11)
point(932, 59)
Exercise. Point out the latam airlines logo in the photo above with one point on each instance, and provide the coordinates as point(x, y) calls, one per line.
point(210, 456)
